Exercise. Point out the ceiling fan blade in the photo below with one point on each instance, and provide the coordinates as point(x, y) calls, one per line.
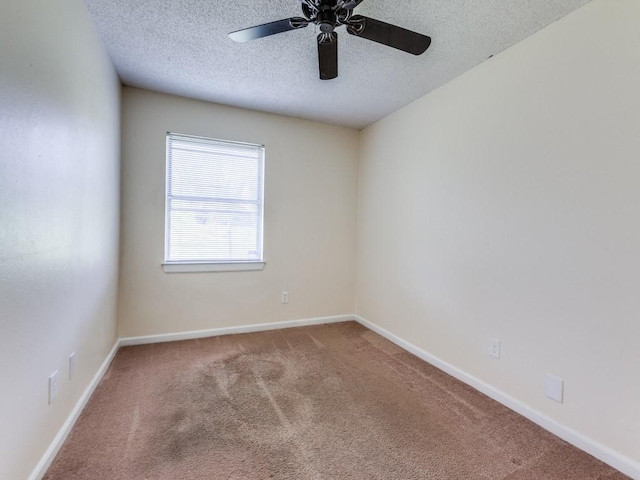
point(351, 4)
point(387, 34)
point(259, 31)
point(328, 55)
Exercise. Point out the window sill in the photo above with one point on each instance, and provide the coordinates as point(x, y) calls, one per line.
point(211, 267)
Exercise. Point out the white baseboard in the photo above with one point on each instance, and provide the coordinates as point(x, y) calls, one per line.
point(598, 450)
point(215, 332)
point(48, 457)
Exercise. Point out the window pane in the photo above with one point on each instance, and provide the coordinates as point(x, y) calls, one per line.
point(209, 175)
point(214, 200)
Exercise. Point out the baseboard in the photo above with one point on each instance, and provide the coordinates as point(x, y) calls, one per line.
point(592, 447)
point(58, 441)
point(215, 332)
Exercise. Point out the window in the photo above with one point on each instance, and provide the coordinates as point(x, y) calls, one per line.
point(214, 205)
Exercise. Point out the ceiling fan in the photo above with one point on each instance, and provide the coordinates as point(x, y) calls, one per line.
point(327, 15)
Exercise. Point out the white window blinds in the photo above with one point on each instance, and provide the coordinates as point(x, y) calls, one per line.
point(214, 201)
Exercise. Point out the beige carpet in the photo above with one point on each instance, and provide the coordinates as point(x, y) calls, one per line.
point(327, 402)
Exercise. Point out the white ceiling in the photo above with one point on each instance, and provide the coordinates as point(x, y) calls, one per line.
point(181, 47)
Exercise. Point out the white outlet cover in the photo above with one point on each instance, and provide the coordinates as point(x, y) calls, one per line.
point(284, 298)
point(53, 386)
point(554, 387)
point(494, 347)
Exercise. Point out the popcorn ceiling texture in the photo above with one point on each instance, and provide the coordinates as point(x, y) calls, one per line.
point(181, 47)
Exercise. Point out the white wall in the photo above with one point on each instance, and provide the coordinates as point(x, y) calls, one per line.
point(59, 196)
point(310, 220)
point(506, 204)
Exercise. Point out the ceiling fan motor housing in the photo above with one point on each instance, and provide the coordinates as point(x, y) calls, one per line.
point(326, 19)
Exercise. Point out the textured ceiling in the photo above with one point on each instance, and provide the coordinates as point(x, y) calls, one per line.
point(181, 47)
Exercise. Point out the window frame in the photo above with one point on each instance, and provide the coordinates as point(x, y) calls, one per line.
point(194, 266)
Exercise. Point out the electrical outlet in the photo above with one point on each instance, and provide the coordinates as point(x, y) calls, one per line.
point(72, 365)
point(554, 387)
point(284, 298)
point(494, 347)
point(53, 386)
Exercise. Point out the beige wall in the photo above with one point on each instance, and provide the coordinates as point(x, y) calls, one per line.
point(310, 220)
point(59, 196)
point(506, 204)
